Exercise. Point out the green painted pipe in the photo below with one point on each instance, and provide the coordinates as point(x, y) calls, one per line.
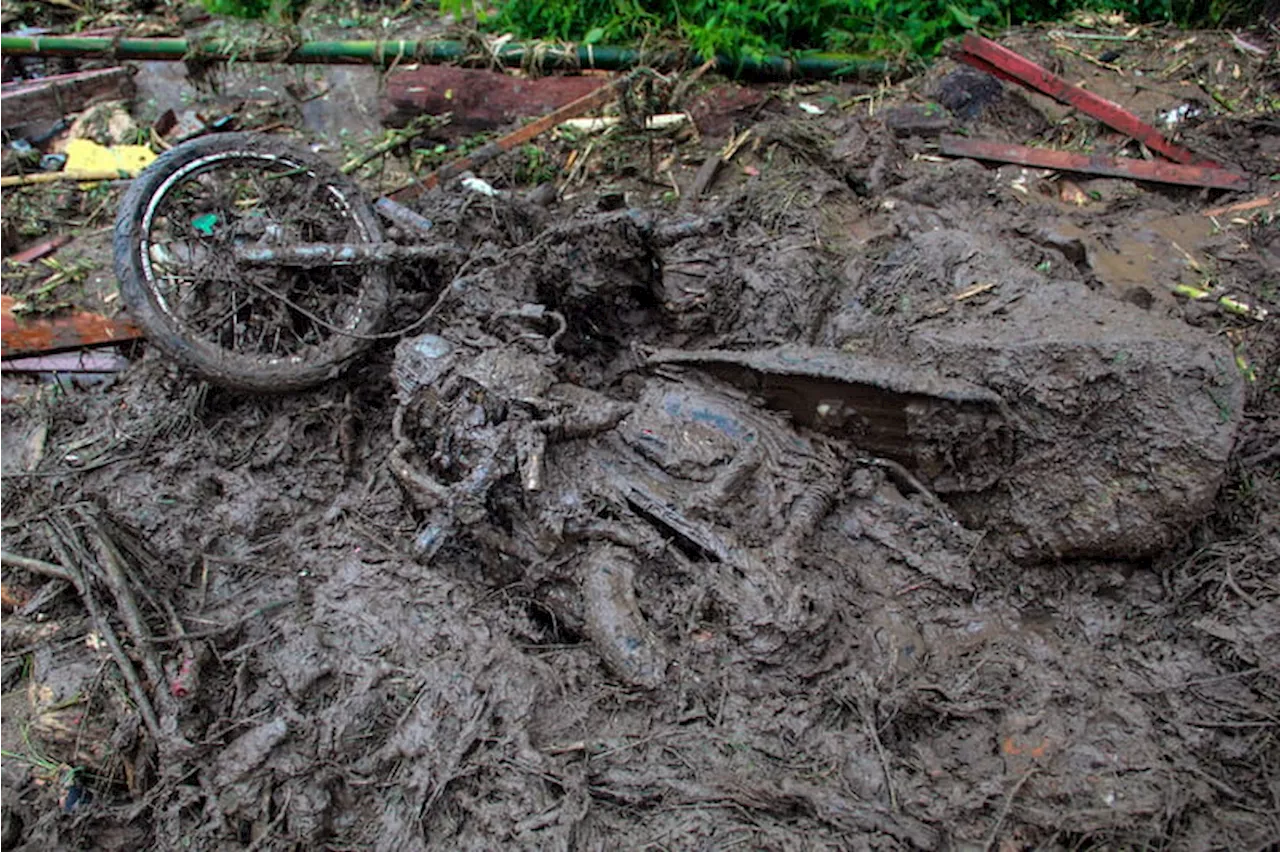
point(814, 65)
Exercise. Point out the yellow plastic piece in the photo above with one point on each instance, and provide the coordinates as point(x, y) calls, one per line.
point(85, 155)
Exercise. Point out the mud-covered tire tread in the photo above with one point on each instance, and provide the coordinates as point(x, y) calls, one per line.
point(213, 363)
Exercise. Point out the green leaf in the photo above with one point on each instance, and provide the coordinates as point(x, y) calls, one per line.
point(962, 17)
point(594, 36)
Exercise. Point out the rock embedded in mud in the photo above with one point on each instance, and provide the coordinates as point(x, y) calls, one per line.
point(1125, 420)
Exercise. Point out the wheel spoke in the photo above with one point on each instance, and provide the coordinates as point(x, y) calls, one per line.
point(252, 202)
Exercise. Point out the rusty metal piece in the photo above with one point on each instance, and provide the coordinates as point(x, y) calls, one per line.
point(533, 129)
point(44, 249)
point(50, 98)
point(1213, 177)
point(988, 56)
point(45, 335)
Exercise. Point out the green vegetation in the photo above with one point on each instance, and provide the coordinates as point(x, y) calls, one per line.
point(758, 27)
point(273, 11)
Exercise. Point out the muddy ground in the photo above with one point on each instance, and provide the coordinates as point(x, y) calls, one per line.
point(958, 663)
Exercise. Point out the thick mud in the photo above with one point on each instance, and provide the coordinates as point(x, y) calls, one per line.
point(873, 502)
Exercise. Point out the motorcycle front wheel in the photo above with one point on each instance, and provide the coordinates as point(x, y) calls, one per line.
point(261, 328)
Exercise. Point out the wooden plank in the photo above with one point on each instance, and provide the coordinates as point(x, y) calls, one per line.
point(988, 56)
point(51, 98)
point(45, 335)
point(1094, 164)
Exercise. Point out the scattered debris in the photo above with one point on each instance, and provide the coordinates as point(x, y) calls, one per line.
point(597, 98)
point(986, 55)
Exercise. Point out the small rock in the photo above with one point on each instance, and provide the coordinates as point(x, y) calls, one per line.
point(918, 120)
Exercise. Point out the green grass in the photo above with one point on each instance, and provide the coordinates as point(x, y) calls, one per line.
point(754, 28)
point(757, 27)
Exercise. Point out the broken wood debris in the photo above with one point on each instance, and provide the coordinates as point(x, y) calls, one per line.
point(50, 98)
point(46, 335)
point(597, 98)
point(10, 181)
point(986, 55)
point(1243, 206)
point(1094, 164)
point(666, 121)
point(706, 175)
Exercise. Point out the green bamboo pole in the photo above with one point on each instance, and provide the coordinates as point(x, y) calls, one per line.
point(548, 57)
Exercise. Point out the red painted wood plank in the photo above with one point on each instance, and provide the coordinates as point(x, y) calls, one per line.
point(1094, 164)
point(42, 336)
point(988, 56)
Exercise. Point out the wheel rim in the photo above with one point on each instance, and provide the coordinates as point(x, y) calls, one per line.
point(266, 315)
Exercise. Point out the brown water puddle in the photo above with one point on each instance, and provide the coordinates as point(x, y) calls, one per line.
point(1155, 253)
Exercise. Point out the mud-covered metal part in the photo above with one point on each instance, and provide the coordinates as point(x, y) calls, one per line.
point(690, 477)
point(952, 433)
point(613, 618)
point(398, 214)
point(317, 255)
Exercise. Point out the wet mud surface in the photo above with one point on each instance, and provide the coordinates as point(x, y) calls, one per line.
point(874, 501)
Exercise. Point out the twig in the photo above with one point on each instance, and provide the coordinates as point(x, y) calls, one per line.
point(37, 566)
point(211, 632)
point(118, 583)
point(908, 477)
point(394, 139)
point(868, 711)
point(1004, 809)
point(265, 837)
point(108, 633)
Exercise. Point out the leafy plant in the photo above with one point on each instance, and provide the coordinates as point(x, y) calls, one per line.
point(274, 11)
point(737, 28)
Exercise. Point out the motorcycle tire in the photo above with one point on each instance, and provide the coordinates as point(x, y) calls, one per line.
point(262, 330)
